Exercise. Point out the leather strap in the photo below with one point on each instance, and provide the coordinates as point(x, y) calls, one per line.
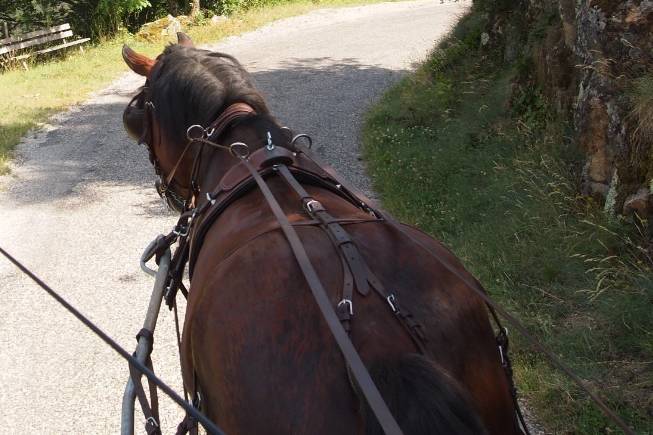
point(229, 115)
point(151, 413)
point(352, 359)
point(412, 327)
point(353, 261)
point(339, 236)
point(493, 307)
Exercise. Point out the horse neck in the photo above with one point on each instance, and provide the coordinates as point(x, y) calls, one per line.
point(251, 131)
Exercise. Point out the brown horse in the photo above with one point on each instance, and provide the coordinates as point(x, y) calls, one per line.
point(254, 341)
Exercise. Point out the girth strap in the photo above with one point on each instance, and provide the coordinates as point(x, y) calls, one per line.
point(352, 359)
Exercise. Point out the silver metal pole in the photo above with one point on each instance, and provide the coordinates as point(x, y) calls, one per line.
point(144, 347)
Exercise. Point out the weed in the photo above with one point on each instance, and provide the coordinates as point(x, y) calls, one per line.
point(484, 166)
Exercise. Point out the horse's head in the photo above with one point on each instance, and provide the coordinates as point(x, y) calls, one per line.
point(184, 87)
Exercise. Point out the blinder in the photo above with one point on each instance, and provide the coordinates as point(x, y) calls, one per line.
point(136, 119)
point(133, 117)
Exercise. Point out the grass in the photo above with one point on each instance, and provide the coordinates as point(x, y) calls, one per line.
point(483, 165)
point(28, 98)
point(640, 95)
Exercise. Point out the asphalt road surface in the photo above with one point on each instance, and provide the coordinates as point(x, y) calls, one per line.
point(79, 206)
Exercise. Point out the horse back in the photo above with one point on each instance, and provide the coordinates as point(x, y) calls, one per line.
point(257, 343)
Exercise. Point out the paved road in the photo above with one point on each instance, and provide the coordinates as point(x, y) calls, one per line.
point(79, 206)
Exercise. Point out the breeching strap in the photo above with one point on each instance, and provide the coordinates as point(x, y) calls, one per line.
point(352, 359)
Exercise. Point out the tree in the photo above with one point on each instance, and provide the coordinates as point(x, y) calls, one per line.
point(173, 7)
point(195, 9)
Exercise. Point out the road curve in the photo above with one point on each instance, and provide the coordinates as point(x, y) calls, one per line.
point(79, 207)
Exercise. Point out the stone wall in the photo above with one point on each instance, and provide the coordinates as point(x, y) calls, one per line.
point(587, 55)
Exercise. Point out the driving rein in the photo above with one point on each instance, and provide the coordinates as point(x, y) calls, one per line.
point(295, 165)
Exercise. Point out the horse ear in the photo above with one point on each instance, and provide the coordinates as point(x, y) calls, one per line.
point(184, 39)
point(138, 63)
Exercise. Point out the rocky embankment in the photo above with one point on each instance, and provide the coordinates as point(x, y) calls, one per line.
point(593, 59)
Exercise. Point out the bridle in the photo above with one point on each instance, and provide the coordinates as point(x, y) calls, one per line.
point(176, 196)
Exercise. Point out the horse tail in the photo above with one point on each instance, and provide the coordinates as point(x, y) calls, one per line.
point(423, 398)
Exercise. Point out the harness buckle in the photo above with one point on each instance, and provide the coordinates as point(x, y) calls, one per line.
point(349, 305)
point(502, 344)
point(210, 199)
point(151, 421)
point(181, 230)
point(312, 205)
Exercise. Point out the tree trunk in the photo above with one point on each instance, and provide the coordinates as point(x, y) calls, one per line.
point(173, 8)
point(195, 9)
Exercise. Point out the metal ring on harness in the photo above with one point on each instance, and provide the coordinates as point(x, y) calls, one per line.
point(200, 132)
point(302, 136)
point(239, 145)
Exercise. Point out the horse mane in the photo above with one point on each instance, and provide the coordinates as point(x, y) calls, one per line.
point(192, 86)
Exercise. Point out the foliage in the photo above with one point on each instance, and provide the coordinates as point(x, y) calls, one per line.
point(103, 18)
point(486, 168)
point(228, 7)
point(641, 97)
point(88, 17)
point(24, 16)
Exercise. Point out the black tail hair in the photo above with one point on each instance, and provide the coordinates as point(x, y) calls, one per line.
point(423, 399)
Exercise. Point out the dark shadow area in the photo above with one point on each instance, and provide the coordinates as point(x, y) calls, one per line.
point(320, 96)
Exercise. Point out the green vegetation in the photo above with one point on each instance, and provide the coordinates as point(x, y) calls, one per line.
point(641, 96)
point(471, 152)
point(28, 98)
point(92, 18)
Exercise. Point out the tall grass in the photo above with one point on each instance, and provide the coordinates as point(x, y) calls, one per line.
point(464, 152)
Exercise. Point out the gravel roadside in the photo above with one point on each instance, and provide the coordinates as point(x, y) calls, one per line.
point(79, 207)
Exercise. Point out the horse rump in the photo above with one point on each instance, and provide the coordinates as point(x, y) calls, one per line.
point(423, 398)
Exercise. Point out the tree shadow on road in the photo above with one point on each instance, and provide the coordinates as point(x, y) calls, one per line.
point(324, 97)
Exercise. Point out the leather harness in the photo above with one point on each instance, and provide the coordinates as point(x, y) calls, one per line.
point(294, 164)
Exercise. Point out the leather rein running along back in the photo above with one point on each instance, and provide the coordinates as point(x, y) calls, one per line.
point(291, 163)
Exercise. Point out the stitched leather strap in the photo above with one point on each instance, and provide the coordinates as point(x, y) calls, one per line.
point(338, 235)
point(352, 359)
point(229, 115)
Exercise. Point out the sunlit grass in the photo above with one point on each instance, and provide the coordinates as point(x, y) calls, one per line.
point(485, 167)
point(28, 98)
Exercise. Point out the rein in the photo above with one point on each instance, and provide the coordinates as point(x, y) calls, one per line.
point(181, 232)
point(134, 364)
point(282, 168)
point(220, 198)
